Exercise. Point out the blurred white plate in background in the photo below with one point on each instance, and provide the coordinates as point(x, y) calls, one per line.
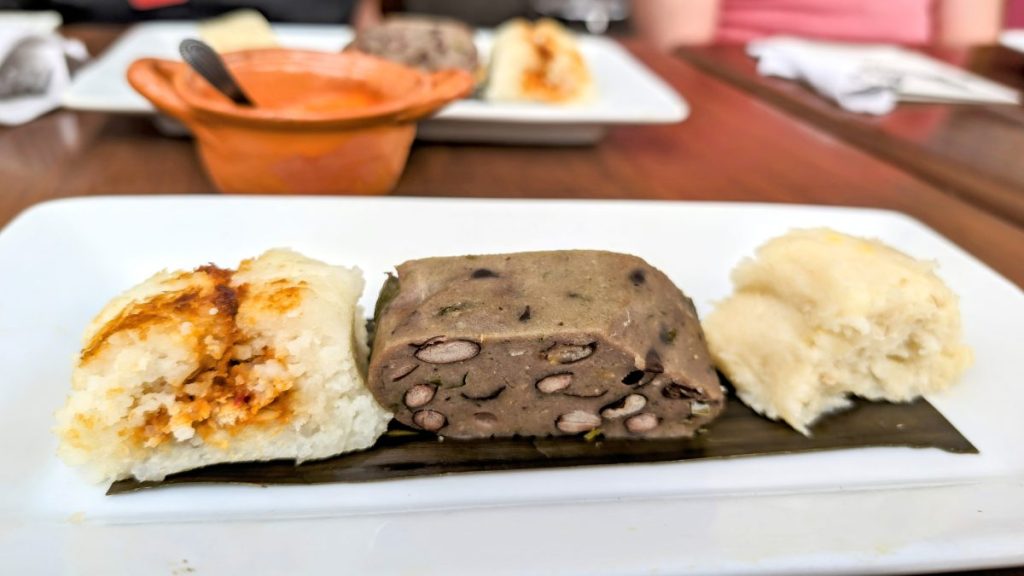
point(628, 93)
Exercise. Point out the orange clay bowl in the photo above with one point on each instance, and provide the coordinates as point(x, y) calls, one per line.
point(323, 123)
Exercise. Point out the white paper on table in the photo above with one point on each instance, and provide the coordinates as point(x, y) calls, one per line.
point(873, 78)
point(32, 54)
point(38, 21)
point(1013, 39)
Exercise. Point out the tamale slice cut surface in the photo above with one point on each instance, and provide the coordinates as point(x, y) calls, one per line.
point(739, 431)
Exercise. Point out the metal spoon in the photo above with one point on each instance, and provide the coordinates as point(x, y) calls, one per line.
point(208, 64)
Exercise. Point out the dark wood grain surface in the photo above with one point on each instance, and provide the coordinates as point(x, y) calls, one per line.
point(973, 151)
point(735, 147)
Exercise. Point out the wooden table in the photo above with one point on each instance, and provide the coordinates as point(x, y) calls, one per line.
point(973, 151)
point(734, 147)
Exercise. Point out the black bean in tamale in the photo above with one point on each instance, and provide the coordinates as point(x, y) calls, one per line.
point(542, 344)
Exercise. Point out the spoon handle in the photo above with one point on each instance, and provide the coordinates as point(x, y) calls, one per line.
point(208, 64)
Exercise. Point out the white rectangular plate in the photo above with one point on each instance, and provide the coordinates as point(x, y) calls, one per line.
point(865, 510)
point(628, 93)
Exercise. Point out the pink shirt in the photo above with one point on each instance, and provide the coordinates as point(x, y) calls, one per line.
point(1015, 14)
point(896, 21)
